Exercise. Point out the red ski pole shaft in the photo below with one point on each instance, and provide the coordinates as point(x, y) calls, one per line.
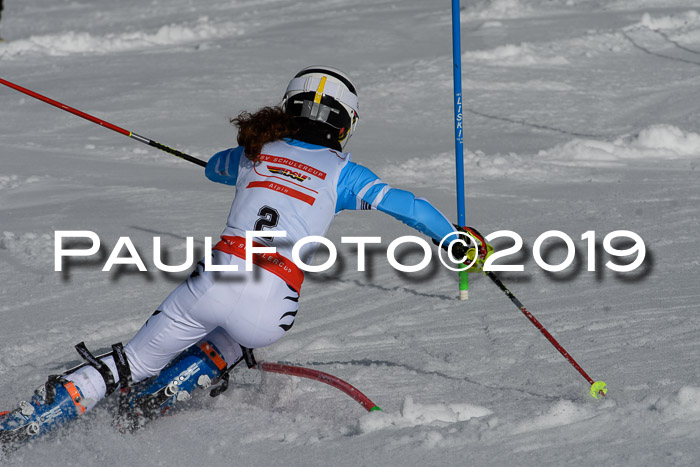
point(103, 123)
point(538, 325)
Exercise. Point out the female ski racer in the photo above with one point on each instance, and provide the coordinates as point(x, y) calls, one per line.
point(291, 175)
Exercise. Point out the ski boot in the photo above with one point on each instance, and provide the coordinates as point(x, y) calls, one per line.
point(53, 404)
point(58, 401)
point(200, 366)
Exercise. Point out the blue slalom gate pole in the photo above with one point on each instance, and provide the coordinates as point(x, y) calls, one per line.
point(459, 133)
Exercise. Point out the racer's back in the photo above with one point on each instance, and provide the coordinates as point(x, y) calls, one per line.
point(293, 188)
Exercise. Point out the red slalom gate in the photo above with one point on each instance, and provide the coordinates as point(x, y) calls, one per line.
point(316, 375)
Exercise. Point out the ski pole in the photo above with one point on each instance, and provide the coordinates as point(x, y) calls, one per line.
point(105, 124)
point(598, 388)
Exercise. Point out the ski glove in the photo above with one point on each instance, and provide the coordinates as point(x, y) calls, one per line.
point(481, 250)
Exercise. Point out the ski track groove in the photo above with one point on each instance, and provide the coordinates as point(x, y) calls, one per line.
point(420, 371)
point(675, 43)
point(657, 54)
point(537, 126)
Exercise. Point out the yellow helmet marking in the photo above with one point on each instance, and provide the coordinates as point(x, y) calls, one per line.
point(319, 90)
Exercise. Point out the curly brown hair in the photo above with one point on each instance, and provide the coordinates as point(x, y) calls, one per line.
point(264, 126)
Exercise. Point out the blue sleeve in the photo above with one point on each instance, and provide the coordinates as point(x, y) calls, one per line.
point(360, 189)
point(223, 166)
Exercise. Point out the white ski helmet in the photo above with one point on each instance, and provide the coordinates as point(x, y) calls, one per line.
point(326, 95)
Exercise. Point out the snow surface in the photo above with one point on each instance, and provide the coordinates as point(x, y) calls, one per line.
point(580, 115)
